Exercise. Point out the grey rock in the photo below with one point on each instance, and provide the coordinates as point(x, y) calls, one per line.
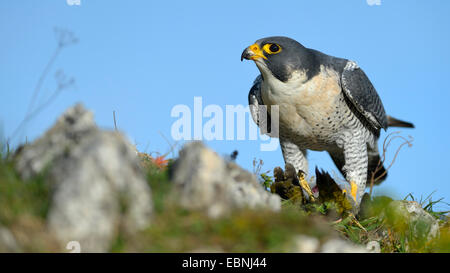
point(69, 130)
point(205, 181)
point(97, 182)
point(421, 224)
point(309, 244)
point(341, 246)
point(373, 247)
point(305, 244)
point(8, 243)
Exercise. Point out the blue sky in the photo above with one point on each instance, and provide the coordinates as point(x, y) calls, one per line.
point(140, 58)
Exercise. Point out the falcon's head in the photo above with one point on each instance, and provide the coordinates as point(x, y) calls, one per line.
point(280, 57)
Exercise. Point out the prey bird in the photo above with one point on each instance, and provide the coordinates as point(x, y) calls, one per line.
point(325, 103)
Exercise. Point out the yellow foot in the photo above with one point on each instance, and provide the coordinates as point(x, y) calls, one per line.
point(353, 190)
point(305, 185)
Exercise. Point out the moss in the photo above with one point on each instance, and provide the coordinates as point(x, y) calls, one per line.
point(19, 197)
point(287, 185)
point(394, 230)
point(287, 190)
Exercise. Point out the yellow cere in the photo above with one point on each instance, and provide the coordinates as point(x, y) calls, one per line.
point(257, 51)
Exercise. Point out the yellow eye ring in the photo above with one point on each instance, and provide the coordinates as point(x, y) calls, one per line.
point(272, 48)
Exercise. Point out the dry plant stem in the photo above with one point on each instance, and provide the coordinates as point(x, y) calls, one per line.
point(115, 123)
point(172, 146)
point(37, 89)
point(65, 38)
point(386, 143)
point(257, 166)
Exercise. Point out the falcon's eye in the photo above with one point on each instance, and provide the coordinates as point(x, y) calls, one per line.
point(272, 48)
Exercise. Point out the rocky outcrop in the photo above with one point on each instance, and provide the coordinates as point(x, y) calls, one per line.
point(96, 180)
point(419, 223)
point(205, 181)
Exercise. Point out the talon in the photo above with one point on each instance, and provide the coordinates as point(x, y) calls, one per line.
point(305, 185)
point(356, 222)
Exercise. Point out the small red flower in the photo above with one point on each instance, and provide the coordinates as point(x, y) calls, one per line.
point(160, 161)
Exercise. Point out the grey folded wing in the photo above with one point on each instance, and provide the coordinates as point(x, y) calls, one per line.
point(361, 93)
point(258, 109)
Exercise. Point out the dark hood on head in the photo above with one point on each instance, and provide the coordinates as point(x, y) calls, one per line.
point(293, 57)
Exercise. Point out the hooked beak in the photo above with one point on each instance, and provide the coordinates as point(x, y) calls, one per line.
point(252, 52)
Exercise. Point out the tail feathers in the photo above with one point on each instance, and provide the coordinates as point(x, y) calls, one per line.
point(393, 122)
point(326, 186)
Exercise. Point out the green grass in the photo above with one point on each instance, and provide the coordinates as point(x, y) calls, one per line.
point(24, 206)
point(394, 232)
point(174, 229)
point(18, 197)
point(177, 230)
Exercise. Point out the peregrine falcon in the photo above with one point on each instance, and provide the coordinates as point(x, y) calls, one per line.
point(325, 104)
